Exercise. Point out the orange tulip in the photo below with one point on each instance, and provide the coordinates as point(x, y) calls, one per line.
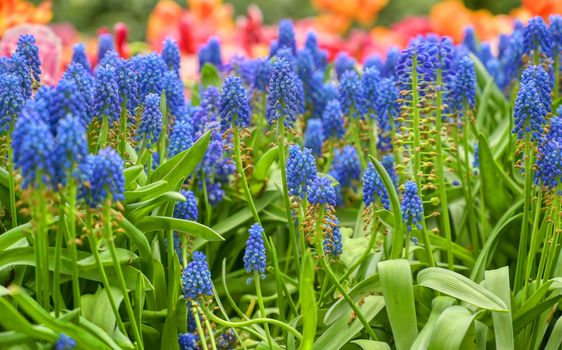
point(14, 12)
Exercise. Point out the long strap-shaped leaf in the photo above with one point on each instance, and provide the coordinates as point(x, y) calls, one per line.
point(398, 291)
point(460, 287)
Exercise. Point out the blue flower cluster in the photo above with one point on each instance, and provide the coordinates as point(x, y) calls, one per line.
point(301, 170)
point(254, 255)
point(102, 178)
point(314, 136)
point(150, 126)
point(187, 210)
point(211, 54)
point(532, 103)
point(196, 278)
point(64, 342)
point(412, 206)
point(322, 192)
point(373, 188)
point(234, 107)
point(332, 243)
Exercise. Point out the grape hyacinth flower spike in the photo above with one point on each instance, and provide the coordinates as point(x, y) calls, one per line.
point(373, 188)
point(30, 52)
point(234, 107)
point(412, 207)
point(196, 278)
point(254, 254)
point(301, 170)
point(282, 98)
point(314, 136)
point(103, 174)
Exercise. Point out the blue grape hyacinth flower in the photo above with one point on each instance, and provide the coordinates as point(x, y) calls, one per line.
point(79, 57)
point(105, 45)
point(71, 146)
point(33, 147)
point(150, 126)
point(27, 49)
point(332, 243)
point(254, 254)
point(530, 111)
point(332, 120)
point(106, 97)
point(234, 107)
point(282, 100)
point(322, 192)
point(301, 170)
point(11, 100)
point(211, 53)
point(102, 178)
point(171, 55)
point(412, 206)
point(373, 188)
point(314, 136)
point(196, 278)
point(187, 210)
point(64, 342)
point(181, 137)
point(187, 341)
point(352, 98)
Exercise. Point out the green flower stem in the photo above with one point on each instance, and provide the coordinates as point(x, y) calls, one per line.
point(362, 258)
point(253, 321)
point(262, 308)
point(347, 298)
point(521, 254)
point(357, 141)
point(372, 141)
point(535, 238)
point(58, 261)
point(483, 226)
point(71, 241)
point(200, 330)
point(211, 335)
point(399, 229)
point(445, 222)
point(426, 244)
point(416, 126)
point(11, 178)
point(208, 208)
point(123, 130)
point(282, 166)
point(330, 158)
point(105, 281)
point(468, 187)
point(42, 238)
point(104, 133)
point(554, 248)
point(242, 173)
point(395, 149)
point(108, 232)
point(162, 141)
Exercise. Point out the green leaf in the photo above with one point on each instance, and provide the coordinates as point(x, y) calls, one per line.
point(177, 169)
point(371, 344)
point(396, 280)
point(137, 211)
point(157, 223)
point(451, 328)
point(210, 76)
point(240, 217)
point(138, 238)
point(497, 281)
point(308, 302)
point(495, 194)
point(398, 233)
point(439, 304)
point(95, 308)
point(342, 331)
point(460, 287)
point(340, 308)
point(131, 173)
point(555, 336)
point(10, 237)
point(144, 192)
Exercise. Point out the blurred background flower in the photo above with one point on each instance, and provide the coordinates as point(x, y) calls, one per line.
point(360, 27)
